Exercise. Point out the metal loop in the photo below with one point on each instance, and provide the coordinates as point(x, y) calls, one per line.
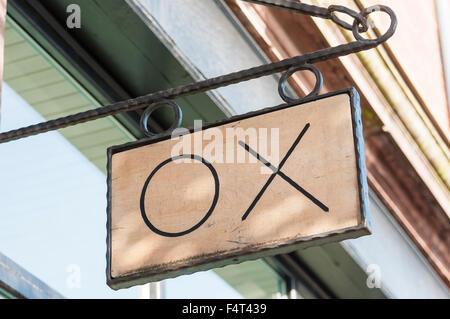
point(359, 19)
point(283, 81)
point(153, 107)
point(389, 33)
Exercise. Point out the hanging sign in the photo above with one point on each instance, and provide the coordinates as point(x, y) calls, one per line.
point(253, 186)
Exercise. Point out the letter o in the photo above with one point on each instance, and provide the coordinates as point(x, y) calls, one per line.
point(207, 215)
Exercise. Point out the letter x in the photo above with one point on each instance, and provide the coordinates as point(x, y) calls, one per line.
point(277, 171)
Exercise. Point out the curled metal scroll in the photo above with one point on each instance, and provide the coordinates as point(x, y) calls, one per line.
point(155, 106)
point(358, 18)
point(367, 11)
point(360, 24)
point(283, 81)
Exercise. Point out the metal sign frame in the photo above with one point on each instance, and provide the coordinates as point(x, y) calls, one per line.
point(250, 254)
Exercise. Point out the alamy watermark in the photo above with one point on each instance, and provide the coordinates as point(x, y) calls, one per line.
point(73, 20)
point(226, 146)
point(73, 280)
point(373, 272)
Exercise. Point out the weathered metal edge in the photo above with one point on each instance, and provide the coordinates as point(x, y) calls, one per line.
point(109, 279)
point(17, 282)
point(358, 137)
point(259, 252)
point(250, 254)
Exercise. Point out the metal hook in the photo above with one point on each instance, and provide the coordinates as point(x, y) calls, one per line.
point(283, 81)
point(358, 18)
point(389, 33)
point(153, 107)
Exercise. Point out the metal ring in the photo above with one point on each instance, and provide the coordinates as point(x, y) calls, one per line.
point(389, 33)
point(153, 107)
point(288, 74)
point(359, 18)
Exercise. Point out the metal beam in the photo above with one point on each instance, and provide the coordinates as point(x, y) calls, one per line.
point(19, 283)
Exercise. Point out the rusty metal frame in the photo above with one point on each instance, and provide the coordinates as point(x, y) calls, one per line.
point(360, 25)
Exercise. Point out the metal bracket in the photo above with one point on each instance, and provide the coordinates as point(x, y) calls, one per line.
point(294, 64)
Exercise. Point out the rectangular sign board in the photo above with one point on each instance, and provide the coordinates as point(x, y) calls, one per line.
point(253, 186)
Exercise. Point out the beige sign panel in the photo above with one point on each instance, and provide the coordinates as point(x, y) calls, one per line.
point(223, 195)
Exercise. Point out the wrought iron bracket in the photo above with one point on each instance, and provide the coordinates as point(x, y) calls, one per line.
point(153, 100)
